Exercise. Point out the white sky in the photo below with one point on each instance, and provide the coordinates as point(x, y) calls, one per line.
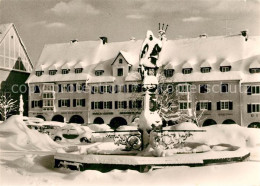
point(42, 22)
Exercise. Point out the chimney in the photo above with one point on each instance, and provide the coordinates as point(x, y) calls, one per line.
point(73, 41)
point(104, 39)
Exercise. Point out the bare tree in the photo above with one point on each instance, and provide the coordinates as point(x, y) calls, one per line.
point(7, 105)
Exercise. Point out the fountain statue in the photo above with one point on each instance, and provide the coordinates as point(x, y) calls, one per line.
point(149, 118)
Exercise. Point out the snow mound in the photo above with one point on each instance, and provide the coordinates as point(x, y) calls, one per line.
point(99, 127)
point(15, 135)
point(232, 134)
point(185, 126)
point(126, 127)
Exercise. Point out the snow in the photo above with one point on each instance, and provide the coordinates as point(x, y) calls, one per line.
point(30, 167)
point(184, 126)
point(16, 136)
point(99, 127)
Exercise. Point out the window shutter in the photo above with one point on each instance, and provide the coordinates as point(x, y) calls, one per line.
point(59, 87)
point(139, 103)
point(110, 104)
point(130, 88)
point(130, 104)
point(249, 90)
point(125, 88)
point(74, 87)
point(230, 105)
point(92, 90)
point(32, 104)
point(116, 88)
point(83, 102)
point(59, 103)
point(110, 89)
point(74, 102)
point(83, 87)
point(116, 104)
point(68, 87)
point(101, 89)
point(198, 106)
point(139, 88)
point(209, 105)
point(125, 104)
point(68, 103)
point(92, 105)
point(249, 108)
point(40, 103)
point(101, 105)
point(218, 105)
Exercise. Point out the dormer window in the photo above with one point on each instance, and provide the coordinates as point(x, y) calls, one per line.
point(186, 70)
point(65, 71)
point(99, 72)
point(78, 70)
point(225, 68)
point(52, 72)
point(205, 69)
point(254, 70)
point(38, 73)
point(120, 61)
point(168, 72)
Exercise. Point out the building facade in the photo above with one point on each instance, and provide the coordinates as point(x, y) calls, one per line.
point(99, 82)
point(15, 65)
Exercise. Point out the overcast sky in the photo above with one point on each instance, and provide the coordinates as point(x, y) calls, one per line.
point(42, 22)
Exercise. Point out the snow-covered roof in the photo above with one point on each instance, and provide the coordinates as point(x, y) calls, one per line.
point(133, 76)
point(53, 67)
point(255, 64)
point(176, 54)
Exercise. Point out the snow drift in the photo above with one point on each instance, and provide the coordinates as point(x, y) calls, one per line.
point(15, 135)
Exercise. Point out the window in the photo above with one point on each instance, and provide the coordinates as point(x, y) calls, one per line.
point(224, 88)
point(253, 90)
point(36, 103)
point(205, 69)
point(36, 89)
point(203, 89)
point(184, 105)
point(99, 72)
point(254, 70)
point(253, 108)
point(186, 70)
point(79, 102)
point(52, 72)
point(66, 88)
point(124, 88)
point(120, 61)
point(168, 72)
point(65, 71)
point(108, 105)
point(48, 103)
point(64, 103)
point(184, 88)
point(48, 87)
point(225, 68)
point(78, 70)
point(225, 105)
point(203, 105)
point(48, 95)
point(120, 72)
point(38, 73)
point(120, 104)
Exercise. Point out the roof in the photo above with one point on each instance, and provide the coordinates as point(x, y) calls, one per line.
point(255, 64)
point(4, 28)
point(176, 54)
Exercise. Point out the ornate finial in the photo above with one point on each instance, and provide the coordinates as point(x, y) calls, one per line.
point(162, 32)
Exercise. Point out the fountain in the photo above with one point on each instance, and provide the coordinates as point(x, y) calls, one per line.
point(150, 136)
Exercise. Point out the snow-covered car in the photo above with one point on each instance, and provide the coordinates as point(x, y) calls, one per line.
point(73, 131)
point(35, 126)
point(51, 127)
point(32, 120)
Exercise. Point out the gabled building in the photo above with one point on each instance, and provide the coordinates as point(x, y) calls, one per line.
point(99, 82)
point(15, 64)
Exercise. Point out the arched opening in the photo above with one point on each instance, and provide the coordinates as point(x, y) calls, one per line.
point(209, 122)
point(76, 119)
point(98, 120)
point(229, 121)
point(116, 122)
point(58, 118)
point(41, 117)
point(254, 125)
